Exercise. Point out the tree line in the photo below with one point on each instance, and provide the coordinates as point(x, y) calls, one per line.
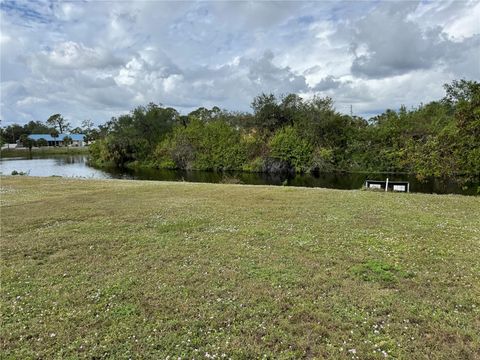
point(53, 126)
point(291, 134)
point(441, 138)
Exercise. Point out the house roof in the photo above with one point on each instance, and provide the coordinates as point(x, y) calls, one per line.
point(48, 137)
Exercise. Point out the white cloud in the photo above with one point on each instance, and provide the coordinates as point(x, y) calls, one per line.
point(404, 46)
point(98, 59)
point(72, 55)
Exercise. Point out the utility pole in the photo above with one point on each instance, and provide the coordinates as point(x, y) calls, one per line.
point(351, 110)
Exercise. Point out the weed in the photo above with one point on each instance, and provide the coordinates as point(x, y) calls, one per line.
point(375, 270)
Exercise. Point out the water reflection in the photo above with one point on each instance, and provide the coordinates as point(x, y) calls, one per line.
point(77, 166)
point(61, 165)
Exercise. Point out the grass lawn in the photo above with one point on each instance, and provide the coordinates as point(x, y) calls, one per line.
point(136, 269)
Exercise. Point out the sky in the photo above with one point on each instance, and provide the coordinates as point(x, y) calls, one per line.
point(98, 59)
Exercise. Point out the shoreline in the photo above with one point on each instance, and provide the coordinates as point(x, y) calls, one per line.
point(15, 152)
point(199, 183)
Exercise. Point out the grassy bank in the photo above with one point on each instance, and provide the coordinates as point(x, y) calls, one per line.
point(44, 151)
point(130, 269)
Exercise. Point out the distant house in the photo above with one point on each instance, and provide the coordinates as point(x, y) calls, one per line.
point(78, 140)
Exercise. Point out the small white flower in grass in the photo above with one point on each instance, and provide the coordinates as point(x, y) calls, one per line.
point(353, 351)
point(52, 335)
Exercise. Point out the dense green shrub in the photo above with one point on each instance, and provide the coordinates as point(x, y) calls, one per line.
point(291, 134)
point(99, 153)
point(255, 165)
point(220, 148)
point(203, 146)
point(323, 160)
point(288, 146)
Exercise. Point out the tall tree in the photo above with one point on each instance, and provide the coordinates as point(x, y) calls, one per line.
point(28, 143)
point(87, 124)
point(54, 134)
point(36, 127)
point(12, 133)
point(464, 96)
point(57, 121)
point(88, 129)
point(267, 112)
point(77, 130)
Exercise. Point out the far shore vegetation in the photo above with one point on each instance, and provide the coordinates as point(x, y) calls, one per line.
point(43, 151)
point(290, 134)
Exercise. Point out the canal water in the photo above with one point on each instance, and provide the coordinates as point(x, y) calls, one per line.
point(77, 166)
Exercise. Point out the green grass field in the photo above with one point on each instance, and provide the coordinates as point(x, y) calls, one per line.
point(136, 269)
point(44, 151)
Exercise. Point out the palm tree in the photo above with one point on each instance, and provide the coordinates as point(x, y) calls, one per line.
point(54, 134)
point(28, 143)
